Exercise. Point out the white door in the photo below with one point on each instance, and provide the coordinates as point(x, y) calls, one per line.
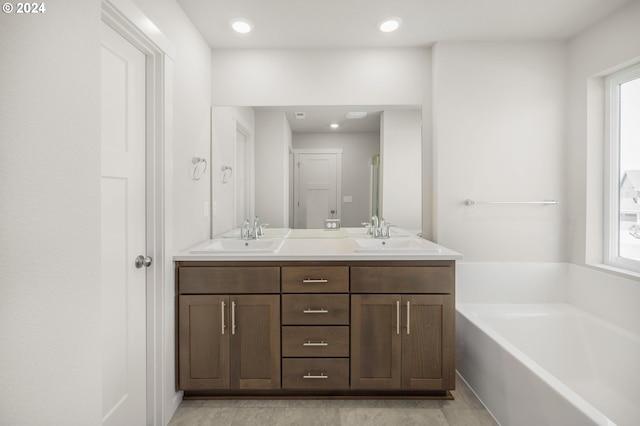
point(123, 231)
point(317, 192)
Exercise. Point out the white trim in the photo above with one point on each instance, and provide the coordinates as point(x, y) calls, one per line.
point(126, 13)
point(612, 169)
point(130, 22)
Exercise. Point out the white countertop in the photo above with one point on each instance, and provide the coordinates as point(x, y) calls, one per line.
point(318, 244)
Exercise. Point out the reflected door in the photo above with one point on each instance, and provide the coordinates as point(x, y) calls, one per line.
point(317, 176)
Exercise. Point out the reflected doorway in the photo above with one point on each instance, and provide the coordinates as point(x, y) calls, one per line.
point(317, 187)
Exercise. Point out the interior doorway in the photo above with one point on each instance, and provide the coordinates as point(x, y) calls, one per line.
point(125, 20)
point(317, 176)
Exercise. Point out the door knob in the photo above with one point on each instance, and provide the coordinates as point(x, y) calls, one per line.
point(143, 261)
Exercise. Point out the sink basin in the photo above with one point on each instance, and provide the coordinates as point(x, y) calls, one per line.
point(400, 245)
point(226, 245)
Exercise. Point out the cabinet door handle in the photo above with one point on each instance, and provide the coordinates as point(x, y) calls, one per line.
point(222, 310)
point(315, 376)
point(316, 281)
point(315, 311)
point(233, 317)
point(320, 343)
point(397, 317)
point(408, 317)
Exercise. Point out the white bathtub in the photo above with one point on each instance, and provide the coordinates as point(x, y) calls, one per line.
point(549, 364)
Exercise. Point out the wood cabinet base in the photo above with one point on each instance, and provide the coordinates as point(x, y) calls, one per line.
point(358, 329)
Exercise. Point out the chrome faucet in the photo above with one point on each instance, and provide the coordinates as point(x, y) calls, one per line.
point(383, 230)
point(378, 228)
point(371, 225)
point(252, 231)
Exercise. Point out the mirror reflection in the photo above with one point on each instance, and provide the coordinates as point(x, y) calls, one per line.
point(296, 166)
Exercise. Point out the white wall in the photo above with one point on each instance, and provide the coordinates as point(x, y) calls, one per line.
point(609, 45)
point(50, 203)
point(192, 101)
point(401, 164)
point(318, 77)
point(357, 150)
point(499, 136)
point(272, 145)
point(50, 216)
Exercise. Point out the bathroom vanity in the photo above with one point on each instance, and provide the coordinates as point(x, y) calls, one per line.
point(316, 316)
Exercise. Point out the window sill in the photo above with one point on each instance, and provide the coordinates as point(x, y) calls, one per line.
point(617, 270)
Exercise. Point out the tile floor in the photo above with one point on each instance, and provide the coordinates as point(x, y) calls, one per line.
point(464, 410)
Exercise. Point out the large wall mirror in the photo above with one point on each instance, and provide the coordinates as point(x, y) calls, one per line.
point(295, 166)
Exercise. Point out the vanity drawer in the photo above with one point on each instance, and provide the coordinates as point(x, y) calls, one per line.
point(315, 373)
point(315, 279)
point(229, 280)
point(314, 341)
point(402, 279)
point(315, 309)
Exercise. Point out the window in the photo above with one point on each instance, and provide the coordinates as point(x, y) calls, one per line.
point(622, 227)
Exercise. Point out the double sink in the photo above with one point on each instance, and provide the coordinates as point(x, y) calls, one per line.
point(354, 240)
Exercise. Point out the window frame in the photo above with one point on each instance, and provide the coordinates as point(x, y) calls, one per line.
point(612, 169)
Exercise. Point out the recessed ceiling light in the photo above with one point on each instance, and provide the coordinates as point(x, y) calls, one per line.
point(334, 125)
point(388, 25)
point(241, 26)
point(356, 114)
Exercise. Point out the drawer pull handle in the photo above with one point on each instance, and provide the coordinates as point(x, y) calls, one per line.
point(314, 281)
point(315, 311)
point(313, 376)
point(320, 343)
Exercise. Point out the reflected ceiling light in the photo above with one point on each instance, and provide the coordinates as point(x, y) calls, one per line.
point(334, 125)
point(241, 26)
point(391, 24)
point(356, 114)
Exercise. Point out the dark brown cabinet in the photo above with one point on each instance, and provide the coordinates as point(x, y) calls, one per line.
point(401, 342)
point(402, 327)
point(203, 342)
point(229, 341)
point(282, 328)
point(315, 328)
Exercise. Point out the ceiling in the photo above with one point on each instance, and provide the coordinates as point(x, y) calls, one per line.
point(318, 118)
point(300, 24)
point(353, 23)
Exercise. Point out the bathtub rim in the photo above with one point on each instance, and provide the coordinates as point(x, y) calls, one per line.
point(564, 391)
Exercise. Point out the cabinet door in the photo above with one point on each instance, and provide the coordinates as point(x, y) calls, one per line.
point(255, 341)
point(427, 342)
point(204, 342)
point(375, 341)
